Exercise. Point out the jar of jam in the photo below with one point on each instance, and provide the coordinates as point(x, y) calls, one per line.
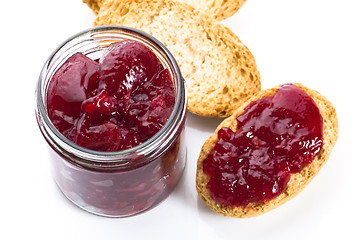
point(118, 182)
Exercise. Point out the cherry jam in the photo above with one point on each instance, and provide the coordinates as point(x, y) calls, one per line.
point(111, 105)
point(114, 104)
point(275, 137)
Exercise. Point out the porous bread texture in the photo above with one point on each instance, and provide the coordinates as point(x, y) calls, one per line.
point(218, 9)
point(219, 70)
point(298, 180)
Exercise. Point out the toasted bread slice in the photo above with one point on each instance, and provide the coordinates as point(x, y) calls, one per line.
point(217, 9)
point(218, 68)
point(298, 180)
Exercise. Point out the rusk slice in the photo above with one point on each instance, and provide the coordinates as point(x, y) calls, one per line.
point(297, 182)
point(218, 68)
point(217, 9)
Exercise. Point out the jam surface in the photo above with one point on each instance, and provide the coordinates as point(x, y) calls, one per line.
point(275, 137)
point(112, 104)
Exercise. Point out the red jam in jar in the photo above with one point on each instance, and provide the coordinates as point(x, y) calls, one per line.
point(275, 137)
point(114, 104)
point(111, 104)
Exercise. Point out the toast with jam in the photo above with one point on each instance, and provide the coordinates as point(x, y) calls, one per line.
point(267, 151)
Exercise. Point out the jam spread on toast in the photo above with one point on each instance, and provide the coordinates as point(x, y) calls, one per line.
point(276, 136)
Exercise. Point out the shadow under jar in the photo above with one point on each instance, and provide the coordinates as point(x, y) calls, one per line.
point(121, 183)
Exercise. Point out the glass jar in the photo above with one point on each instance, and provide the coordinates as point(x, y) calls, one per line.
point(123, 183)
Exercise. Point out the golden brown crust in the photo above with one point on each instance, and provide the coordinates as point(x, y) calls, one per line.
point(93, 5)
point(217, 9)
point(218, 68)
point(297, 182)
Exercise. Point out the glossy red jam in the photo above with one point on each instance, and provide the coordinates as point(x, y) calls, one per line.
point(275, 137)
point(112, 104)
point(108, 99)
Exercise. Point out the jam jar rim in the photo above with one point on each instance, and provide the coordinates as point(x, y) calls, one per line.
point(88, 157)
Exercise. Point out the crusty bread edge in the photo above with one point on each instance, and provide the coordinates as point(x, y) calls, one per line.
point(297, 182)
point(225, 10)
point(94, 5)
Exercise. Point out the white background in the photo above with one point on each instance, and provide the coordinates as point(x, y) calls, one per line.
point(314, 42)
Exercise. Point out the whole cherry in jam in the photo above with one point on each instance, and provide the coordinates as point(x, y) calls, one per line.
point(125, 66)
point(275, 137)
point(72, 83)
point(114, 103)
